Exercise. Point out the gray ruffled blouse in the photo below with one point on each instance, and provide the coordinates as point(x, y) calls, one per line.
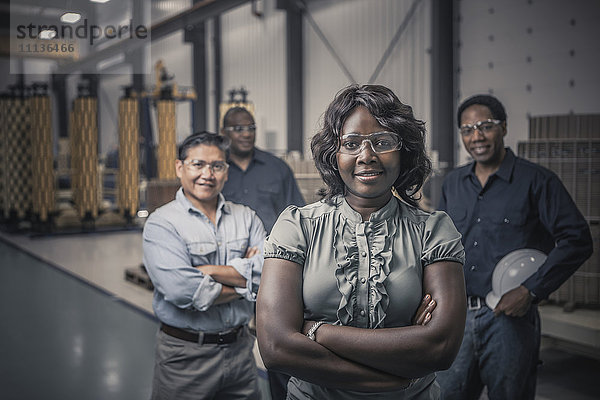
point(366, 274)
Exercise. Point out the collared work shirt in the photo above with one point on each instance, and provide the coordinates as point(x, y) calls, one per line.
point(267, 186)
point(178, 237)
point(522, 205)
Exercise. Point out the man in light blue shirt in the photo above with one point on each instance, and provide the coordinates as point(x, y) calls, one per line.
point(204, 256)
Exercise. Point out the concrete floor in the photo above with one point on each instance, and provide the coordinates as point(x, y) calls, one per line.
point(567, 376)
point(75, 329)
point(64, 339)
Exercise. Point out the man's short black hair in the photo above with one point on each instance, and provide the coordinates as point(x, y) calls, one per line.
point(235, 110)
point(495, 106)
point(205, 138)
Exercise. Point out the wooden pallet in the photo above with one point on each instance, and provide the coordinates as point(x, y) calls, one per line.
point(139, 276)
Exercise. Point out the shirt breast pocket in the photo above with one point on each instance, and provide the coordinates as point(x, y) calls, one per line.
point(236, 248)
point(202, 253)
point(509, 226)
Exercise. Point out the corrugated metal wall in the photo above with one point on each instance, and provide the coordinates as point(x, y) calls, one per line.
point(359, 31)
point(537, 57)
point(253, 51)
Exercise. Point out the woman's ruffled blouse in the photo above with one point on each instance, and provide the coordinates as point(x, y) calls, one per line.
point(365, 274)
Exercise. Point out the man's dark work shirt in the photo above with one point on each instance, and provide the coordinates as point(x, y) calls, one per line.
point(267, 186)
point(522, 205)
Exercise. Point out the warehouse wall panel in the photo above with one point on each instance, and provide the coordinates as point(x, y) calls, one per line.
point(537, 57)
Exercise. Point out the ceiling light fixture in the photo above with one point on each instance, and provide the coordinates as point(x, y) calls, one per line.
point(47, 34)
point(100, 1)
point(70, 17)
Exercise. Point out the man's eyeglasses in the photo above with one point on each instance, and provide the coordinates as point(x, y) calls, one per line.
point(482, 126)
point(216, 167)
point(240, 128)
point(381, 142)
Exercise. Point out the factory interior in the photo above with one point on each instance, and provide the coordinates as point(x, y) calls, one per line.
point(89, 128)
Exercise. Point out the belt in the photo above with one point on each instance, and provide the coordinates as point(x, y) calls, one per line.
point(475, 303)
point(207, 338)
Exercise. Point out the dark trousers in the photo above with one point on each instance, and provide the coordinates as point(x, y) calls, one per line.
point(278, 384)
point(498, 352)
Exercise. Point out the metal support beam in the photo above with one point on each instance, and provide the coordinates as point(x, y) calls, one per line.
point(59, 87)
point(137, 60)
point(394, 41)
point(91, 84)
point(137, 57)
point(442, 93)
point(138, 84)
point(217, 68)
point(326, 42)
point(197, 37)
point(294, 75)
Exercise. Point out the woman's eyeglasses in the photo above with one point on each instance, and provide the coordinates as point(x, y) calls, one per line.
point(381, 142)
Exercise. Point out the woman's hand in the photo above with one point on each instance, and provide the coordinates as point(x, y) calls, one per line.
point(423, 314)
point(279, 318)
point(414, 350)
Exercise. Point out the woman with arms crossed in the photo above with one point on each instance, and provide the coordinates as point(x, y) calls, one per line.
point(341, 305)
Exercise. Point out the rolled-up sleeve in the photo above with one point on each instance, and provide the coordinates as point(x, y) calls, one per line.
point(169, 266)
point(251, 268)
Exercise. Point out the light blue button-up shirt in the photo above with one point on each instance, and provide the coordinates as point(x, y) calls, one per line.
point(177, 238)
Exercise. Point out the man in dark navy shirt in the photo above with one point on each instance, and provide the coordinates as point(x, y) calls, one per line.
point(501, 203)
point(257, 179)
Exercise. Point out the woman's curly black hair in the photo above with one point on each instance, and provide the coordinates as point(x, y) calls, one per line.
point(391, 114)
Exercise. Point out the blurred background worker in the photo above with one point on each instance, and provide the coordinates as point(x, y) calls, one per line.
point(257, 179)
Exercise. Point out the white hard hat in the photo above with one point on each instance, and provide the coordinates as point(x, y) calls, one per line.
point(512, 271)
